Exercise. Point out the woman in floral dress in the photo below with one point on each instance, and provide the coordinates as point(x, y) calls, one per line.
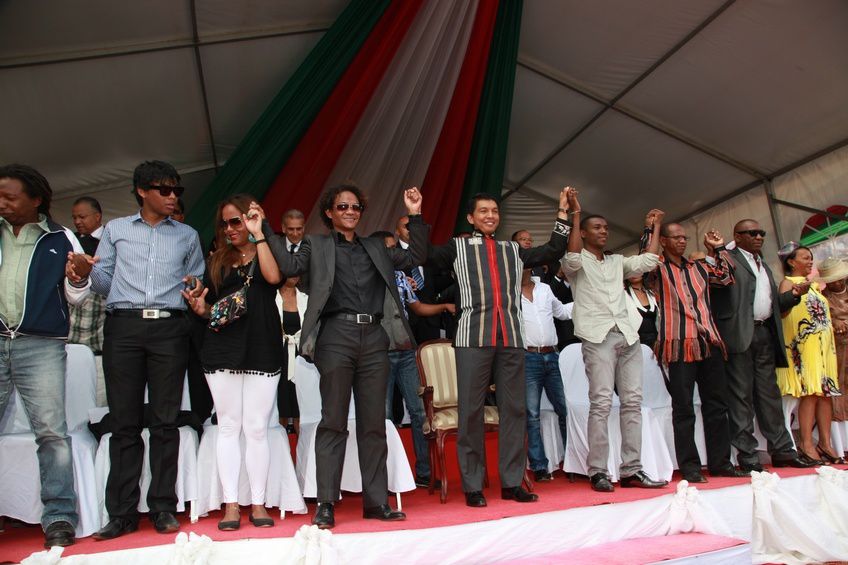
point(834, 273)
point(811, 375)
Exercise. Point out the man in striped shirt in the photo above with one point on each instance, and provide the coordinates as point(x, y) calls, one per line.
point(689, 343)
point(489, 339)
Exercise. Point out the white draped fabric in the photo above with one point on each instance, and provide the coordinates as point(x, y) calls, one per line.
point(391, 147)
point(20, 495)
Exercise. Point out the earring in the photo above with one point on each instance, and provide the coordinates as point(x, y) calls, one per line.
point(228, 242)
point(251, 239)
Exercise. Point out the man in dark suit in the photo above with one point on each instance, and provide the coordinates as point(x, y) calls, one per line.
point(748, 318)
point(350, 276)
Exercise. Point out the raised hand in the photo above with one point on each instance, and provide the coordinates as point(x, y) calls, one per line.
point(253, 221)
point(412, 198)
point(567, 201)
point(654, 217)
point(713, 239)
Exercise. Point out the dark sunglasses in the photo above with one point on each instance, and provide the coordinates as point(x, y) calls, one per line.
point(167, 190)
point(754, 233)
point(232, 222)
point(355, 207)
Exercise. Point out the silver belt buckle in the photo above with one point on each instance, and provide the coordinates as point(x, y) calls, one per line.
point(363, 318)
point(150, 314)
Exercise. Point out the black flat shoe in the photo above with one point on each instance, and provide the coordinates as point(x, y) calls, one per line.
point(383, 512)
point(518, 494)
point(59, 533)
point(475, 499)
point(116, 528)
point(694, 477)
point(266, 522)
point(828, 458)
point(324, 516)
point(796, 462)
point(601, 483)
point(641, 480)
point(164, 522)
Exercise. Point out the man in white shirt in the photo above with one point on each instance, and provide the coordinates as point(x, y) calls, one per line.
point(608, 326)
point(539, 307)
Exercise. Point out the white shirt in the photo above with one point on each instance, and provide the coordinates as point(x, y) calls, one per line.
point(538, 316)
point(762, 293)
point(98, 233)
point(600, 303)
point(296, 245)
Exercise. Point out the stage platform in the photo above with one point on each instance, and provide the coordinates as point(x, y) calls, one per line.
point(570, 523)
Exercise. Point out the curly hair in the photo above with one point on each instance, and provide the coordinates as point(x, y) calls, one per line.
point(329, 198)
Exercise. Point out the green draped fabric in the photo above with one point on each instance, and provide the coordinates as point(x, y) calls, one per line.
point(487, 161)
point(263, 152)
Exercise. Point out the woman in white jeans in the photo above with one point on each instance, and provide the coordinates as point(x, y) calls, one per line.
point(242, 359)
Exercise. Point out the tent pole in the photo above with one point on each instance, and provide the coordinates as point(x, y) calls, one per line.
point(768, 188)
point(198, 60)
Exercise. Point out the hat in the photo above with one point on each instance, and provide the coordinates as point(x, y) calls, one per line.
point(787, 250)
point(832, 270)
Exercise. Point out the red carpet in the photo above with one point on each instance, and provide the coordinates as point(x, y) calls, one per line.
point(423, 511)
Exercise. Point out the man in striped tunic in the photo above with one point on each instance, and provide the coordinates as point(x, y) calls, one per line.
point(689, 343)
point(489, 340)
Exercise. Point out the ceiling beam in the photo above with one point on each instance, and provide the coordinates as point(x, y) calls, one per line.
point(607, 105)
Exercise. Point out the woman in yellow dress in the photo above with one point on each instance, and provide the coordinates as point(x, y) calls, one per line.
point(811, 375)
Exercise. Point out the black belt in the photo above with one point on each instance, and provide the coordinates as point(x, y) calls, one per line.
point(543, 349)
point(145, 313)
point(365, 319)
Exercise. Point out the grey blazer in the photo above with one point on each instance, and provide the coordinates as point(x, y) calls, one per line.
point(317, 256)
point(733, 309)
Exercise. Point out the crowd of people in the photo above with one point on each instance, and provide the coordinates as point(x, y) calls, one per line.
point(144, 294)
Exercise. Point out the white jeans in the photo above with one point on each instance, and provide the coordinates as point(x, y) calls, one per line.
point(243, 402)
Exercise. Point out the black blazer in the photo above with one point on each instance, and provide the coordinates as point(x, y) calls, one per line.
point(317, 256)
point(733, 309)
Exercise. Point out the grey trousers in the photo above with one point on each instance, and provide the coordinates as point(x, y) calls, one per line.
point(613, 362)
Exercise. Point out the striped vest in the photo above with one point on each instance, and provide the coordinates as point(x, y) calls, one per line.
point(488, 277)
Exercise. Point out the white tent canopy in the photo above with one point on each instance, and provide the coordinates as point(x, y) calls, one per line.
point(705, 108)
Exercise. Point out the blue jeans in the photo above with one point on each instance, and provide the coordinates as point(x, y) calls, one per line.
point(541, 371)
point(404, 372)
point(36, 367)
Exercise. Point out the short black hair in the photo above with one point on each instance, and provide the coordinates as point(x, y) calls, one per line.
point(382, 234)
point(329, 198)
point(665, 227)
point(91, 201)
point(472, 202)
point(152, 171)
point(35, 185)
point(586, 220)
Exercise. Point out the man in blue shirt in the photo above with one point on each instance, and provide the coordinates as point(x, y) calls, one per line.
point(143, 262)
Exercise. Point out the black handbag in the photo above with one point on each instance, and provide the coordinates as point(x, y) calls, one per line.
point(230, 308)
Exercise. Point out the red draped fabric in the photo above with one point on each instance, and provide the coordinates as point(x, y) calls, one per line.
point(446, 174)
point(300, 182)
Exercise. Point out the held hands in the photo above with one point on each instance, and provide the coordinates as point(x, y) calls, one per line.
point(78, 266)
point(654, 217)
point(713, 239)
point(195, 295)
point(412, 198)
point(253, 220)
point(800, 289)
point(568, 201)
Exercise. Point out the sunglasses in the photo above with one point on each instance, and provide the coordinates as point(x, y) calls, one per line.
point(342, 207)
point(167, 190)
point(232, 222)
point(754, 233)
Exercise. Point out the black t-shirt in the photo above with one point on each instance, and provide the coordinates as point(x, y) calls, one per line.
point(254, 341)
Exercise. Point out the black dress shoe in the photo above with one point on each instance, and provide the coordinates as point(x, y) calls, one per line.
point(324, 516)
point(518, 494)
point(383, 512)
point(164, 522)
point(730, 471)
point(59, 533)
point(542, 476)
point(115, 528)
point(694, 477)
point(266, 522)
point(424, 482)
point(800, 462)
point(475, 499)
point(751, 467)
point(601, 483)
point(641, 480)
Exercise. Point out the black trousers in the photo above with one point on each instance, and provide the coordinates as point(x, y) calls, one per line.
point(474, 369)
point(709, 374)
point(352, 357)
point(198, 387)
point(752, 389)
point(139, 353)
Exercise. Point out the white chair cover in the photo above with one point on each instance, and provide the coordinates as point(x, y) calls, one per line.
point(655, 452)
point(306, 379)
point(20, 494)
point(186, 487)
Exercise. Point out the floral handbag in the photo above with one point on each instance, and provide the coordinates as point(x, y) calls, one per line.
point(232, 307)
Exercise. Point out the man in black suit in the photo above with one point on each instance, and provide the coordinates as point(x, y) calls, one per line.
point(350, 276)
point(748, 318)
